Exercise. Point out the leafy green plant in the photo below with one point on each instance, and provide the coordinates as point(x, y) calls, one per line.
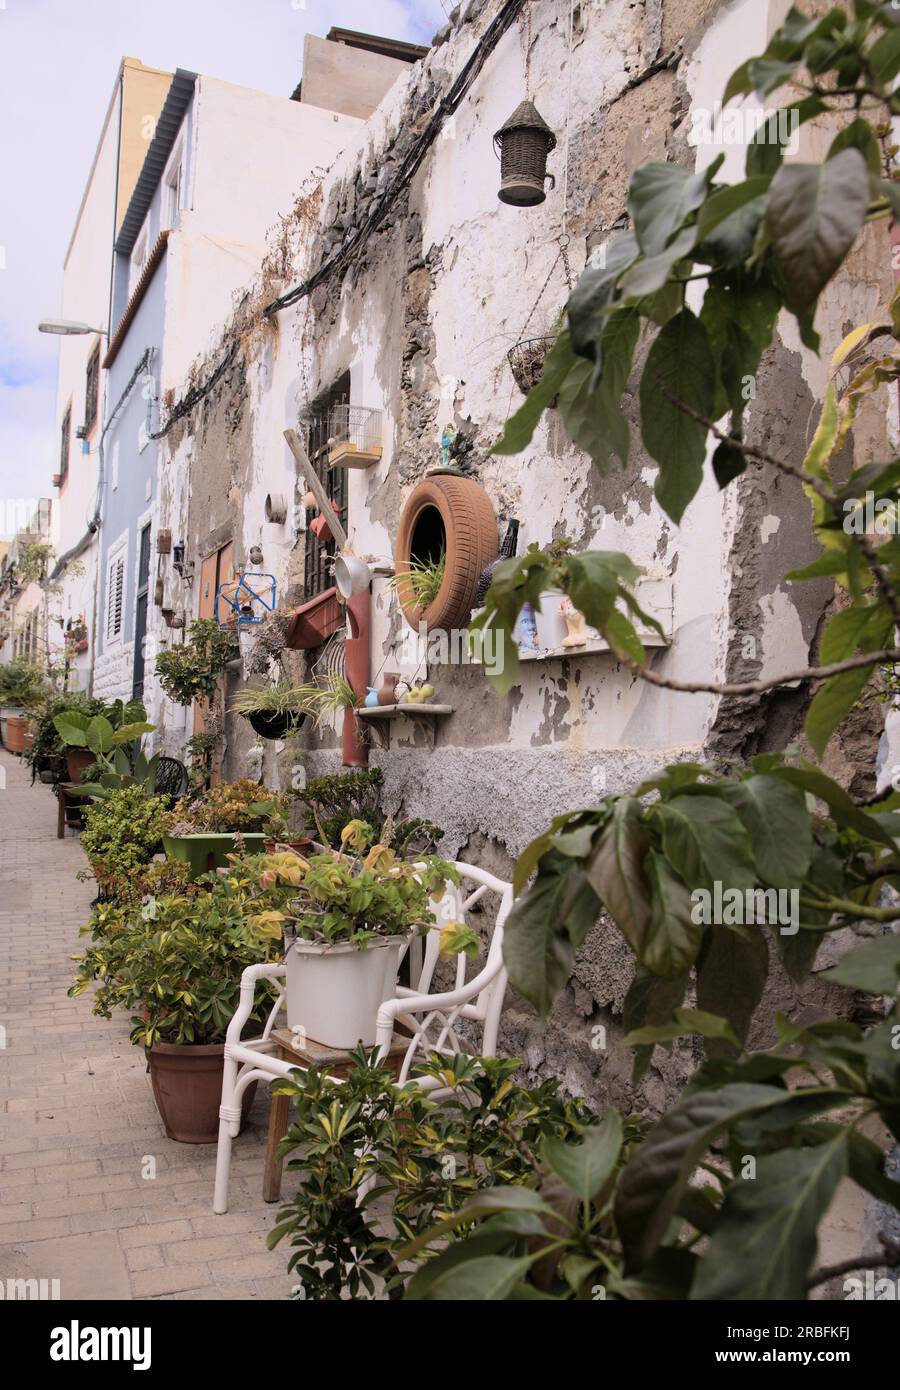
point(31, 565)
point(122, 832)
point(280, 698)
point(176, 960)
point(422, 1158)
point(320, 701)
point(342, 897)
point(22, 685)
point(420, 583)
point(229, 806)
point(48, 742)
point(191, 670)
point(333, 802)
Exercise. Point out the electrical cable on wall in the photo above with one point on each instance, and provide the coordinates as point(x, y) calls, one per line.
point(408, 167)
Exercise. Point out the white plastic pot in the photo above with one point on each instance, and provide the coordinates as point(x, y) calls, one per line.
point(551, 625)
point(333, 992)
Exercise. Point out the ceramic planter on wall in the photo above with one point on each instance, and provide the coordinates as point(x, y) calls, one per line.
point(333, 992)
point(204, 852)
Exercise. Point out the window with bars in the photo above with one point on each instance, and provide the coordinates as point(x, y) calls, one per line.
point(65, 444)
point(115, 595)
point(92, 389)
point(317, 571)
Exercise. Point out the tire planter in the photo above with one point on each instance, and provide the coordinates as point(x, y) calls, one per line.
point(333, 992)
point(202, 853)
point(14, 734)
point(187, 1088)
point(273, 725)
point(454, 514)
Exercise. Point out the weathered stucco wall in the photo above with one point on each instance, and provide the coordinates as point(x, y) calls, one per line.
point(423, 322)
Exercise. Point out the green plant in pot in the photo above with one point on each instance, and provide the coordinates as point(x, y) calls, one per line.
point(122, 833)
point(206, 826)
point(91, 739)
point(47, 754)
point(22, 689)
point(275, 711)
point(191, 670)
point(175, 962)
point(346, 927)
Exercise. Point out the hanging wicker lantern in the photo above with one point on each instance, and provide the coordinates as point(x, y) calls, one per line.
point(523, 143)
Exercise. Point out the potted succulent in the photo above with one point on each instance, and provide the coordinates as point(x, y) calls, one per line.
point(175, 961)
point(346, 925)
point(276, 711)
point(206, 826)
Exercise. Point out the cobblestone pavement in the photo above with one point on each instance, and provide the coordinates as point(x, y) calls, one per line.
point(77, 1116)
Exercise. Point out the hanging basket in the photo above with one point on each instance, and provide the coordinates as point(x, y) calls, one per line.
point(526, 361)
point(523, 143)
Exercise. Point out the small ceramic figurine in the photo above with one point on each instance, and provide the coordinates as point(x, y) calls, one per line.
point(420, 694)
point(576, 636)
point(371, 699)
point(387, 691)
point(527, 629)
point(448, 438)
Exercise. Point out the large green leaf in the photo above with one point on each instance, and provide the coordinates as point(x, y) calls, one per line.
point(615, 872)
point(731, 977)
point(519, 428)
point(584, 1167)
point(684, 1023)
point(765, 1240)
point(673, 937)
point(840, 693)
point(99, 734)
point(679, 368)
point(842, 806)
point(660, 197)
point(779, 824)
point(649, 1002)
point(874, 967)
point(487, 1279)
point(551, 918)
point(72, 728)
point(590, 409)
point(595, 292)
point(653, 1181)
point(706, 842)
point(766, 150)
point(814, 214)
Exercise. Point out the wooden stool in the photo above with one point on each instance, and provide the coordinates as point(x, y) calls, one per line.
point(332, 1060)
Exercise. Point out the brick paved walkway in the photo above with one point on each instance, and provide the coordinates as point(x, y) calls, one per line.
point(77, 1117)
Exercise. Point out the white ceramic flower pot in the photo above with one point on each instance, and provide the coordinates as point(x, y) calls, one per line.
point(551, 625)
point(333, 992)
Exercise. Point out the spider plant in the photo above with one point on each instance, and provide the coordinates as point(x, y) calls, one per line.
point(420, 583)
point(281, 698)
point(320, 701)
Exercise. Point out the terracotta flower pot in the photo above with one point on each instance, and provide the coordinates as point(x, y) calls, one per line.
point(77, 762)
point(15, 733)
point(187, 1088)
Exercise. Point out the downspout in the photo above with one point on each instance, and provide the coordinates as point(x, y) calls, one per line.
point(356, 671)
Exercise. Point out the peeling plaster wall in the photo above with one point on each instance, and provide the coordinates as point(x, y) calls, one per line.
point(423, 323)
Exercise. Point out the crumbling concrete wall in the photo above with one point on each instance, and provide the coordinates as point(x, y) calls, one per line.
point(423, 320)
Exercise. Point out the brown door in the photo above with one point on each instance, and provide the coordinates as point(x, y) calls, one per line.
point(216, 569)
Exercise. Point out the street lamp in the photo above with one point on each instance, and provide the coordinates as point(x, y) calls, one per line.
point(67, 327)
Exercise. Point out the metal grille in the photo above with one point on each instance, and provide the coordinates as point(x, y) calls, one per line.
point(317, 575)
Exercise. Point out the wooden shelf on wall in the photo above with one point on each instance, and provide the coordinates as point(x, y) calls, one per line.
point(594, 647)
point(346, 455)
point(412, 711)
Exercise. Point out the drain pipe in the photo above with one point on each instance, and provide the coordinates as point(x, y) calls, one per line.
point(356, 670)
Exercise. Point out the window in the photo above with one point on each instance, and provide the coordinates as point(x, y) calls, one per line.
point(317, 573)
point(115, 594)
point(173, 187)
point(138, 259)
point(92, 389)
point(64, 444)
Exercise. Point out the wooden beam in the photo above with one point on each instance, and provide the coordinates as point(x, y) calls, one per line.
point(315, 486)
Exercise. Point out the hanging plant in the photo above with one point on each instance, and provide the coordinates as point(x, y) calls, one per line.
point(192, 670)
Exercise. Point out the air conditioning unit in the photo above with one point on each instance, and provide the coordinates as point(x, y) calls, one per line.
point(81, 432)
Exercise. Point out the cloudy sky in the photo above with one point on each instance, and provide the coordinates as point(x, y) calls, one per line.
point(58, 61)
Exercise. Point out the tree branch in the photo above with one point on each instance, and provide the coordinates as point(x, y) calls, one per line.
point(889, 1257)
point(889, 656)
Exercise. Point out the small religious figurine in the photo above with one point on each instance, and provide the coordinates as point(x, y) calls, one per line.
point(448, 439)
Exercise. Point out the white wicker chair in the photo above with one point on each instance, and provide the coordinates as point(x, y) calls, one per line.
point(430, 1018)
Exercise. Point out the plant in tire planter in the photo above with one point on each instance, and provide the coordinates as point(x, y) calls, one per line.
point(345, 928)
point(176, 962)
point(449, 517)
